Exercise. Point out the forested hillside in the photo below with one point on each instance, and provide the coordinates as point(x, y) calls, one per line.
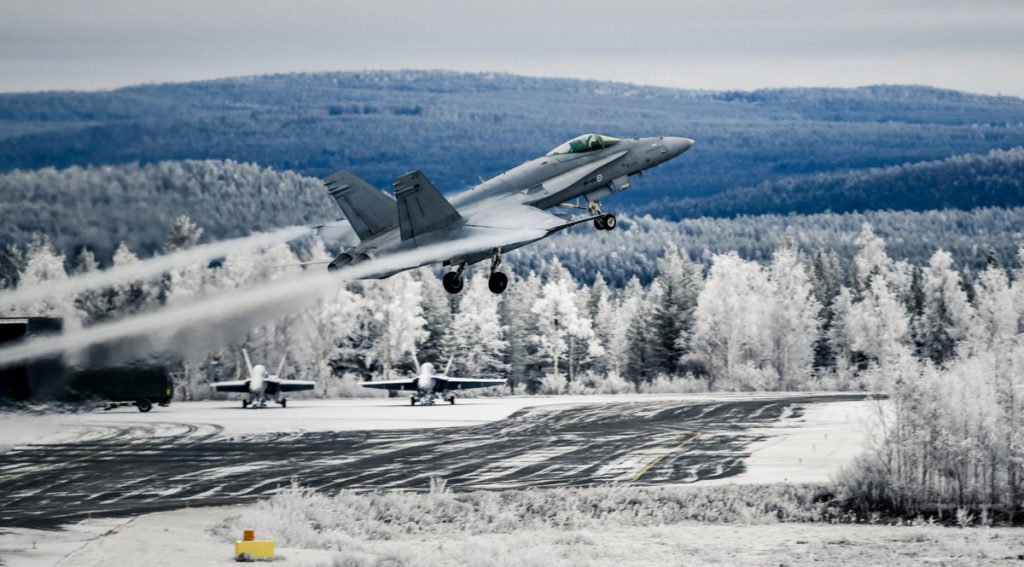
point(456, 126)
point(99, 207)
point(995, 179)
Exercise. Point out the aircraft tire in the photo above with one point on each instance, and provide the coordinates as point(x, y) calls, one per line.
point(609, 222)
point(451, 400)
point(284, 403)
point(245, 404)
point(599, 223)
point(497, 282)
point(412, 401)
point(452, 282)
point(144, 405)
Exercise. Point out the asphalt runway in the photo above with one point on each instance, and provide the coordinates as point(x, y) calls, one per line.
point(45, 486)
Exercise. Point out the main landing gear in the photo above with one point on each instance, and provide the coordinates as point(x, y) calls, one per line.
point(497, 282)
point(452, 281)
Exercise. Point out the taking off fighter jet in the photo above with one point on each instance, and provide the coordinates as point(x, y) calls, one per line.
point(260, 386)
point(506, 211)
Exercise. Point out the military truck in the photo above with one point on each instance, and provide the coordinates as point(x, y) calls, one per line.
point(99, 374)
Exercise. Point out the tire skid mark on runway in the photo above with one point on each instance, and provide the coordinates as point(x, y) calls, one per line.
point(534, 447)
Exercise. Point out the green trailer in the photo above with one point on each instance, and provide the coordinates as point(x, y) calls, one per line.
point(140, 385)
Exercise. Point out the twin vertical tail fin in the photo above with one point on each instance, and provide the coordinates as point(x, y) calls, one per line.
point(421, 207)
point(417, 207)
point(369, 210)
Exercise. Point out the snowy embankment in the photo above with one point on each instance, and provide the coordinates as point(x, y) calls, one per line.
point(204, 537)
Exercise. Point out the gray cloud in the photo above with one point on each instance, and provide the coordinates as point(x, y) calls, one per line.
point(721, 44)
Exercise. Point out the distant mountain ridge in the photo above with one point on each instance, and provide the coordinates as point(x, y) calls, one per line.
point(456, 126)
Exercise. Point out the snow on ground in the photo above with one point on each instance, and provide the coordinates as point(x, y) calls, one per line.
point(807, 448)
point(810, 448)
point(183, 537)
point(228, 419)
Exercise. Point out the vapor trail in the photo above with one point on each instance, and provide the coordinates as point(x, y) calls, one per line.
point(222, 306)
point(147, 268)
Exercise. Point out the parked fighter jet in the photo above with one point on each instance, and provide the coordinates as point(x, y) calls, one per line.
point(428, 385)
point(259, 386)
point(508, 208)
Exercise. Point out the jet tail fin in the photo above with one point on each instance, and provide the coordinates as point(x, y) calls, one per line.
point(421, 207)
point(369, 210)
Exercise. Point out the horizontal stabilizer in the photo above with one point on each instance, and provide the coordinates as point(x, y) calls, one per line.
point(369, 210)
point(421, 207)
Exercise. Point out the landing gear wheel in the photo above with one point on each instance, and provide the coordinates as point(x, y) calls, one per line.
point(245, 404)
point(412, 401)
point(284, 403)
point(451, 400)
point(609, 222)
point(497, 282)
point(599, 223)
point(144, 405)
point(452, 282)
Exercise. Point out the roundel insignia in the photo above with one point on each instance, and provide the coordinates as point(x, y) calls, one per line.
point(599, 177)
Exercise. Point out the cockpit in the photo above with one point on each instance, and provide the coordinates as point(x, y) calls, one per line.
point(584, 143)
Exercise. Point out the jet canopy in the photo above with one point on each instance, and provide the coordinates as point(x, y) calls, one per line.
point(584, 143)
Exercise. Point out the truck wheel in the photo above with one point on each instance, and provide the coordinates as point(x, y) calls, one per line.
point(144, 405)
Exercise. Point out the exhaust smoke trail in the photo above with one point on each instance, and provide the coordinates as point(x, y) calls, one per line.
point(147, 268)
point(226, 306)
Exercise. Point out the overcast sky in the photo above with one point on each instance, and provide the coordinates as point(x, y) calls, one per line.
point(976, 46)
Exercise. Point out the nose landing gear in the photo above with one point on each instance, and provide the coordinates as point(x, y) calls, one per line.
point(605, 222)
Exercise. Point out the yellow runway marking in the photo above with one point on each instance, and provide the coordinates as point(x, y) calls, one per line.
point(663, 455)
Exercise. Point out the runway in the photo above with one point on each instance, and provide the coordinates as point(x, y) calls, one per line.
point(642, 442)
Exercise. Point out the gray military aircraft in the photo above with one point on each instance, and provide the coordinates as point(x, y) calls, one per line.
point(428, 385)
point(262, 387)
point(507, 209)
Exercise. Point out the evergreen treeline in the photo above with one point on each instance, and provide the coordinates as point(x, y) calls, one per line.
point(456, 126)
point(98, 207)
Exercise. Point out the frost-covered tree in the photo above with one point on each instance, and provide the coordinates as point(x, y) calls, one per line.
point(877, 325)
point(729, 324)
point(396, 320)
point(476, 337)
point(559, 318)
point(43, 264)
point(679, 283)
point(524, 359)
point(792, 319)
point(945, 310)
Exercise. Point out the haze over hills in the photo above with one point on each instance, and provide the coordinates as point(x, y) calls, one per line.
point(456, 126)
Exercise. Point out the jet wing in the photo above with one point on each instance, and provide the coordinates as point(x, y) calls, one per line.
point(232, 386)
point(294, 385)
point(405, 384)
point(467, 383)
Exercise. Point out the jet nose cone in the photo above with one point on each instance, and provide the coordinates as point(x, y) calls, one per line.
point(677, 145)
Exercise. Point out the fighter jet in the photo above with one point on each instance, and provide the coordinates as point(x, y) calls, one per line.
point(260, 387)
point(428, 385)
point(506, 211)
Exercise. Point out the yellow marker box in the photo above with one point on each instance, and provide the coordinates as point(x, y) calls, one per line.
point(262, 549)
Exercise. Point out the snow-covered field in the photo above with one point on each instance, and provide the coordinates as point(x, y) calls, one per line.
point(805, 448)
